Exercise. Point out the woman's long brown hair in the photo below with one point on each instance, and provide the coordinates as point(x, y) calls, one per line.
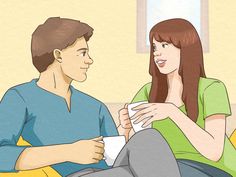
point(182, 35)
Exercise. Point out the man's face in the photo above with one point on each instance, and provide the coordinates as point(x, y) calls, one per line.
point(76, 60)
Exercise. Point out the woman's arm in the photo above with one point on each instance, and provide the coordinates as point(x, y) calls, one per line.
point(124, 132)
point(124, 126)
point(209, 141)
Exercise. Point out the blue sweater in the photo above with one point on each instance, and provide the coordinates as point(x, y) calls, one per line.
point(42, 118)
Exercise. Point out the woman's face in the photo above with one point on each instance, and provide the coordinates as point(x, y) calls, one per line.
point(166, 57)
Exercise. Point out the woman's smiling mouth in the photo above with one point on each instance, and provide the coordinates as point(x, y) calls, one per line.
point(161, 63)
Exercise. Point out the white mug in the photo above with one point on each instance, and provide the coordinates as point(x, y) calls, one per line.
point(113, 146)
point(136, 127)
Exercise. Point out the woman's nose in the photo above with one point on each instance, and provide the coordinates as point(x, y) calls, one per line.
point(157, 53)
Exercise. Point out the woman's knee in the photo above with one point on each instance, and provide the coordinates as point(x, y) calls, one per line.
point(148, 135)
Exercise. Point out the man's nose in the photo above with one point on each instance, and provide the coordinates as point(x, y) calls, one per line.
point(88, 60)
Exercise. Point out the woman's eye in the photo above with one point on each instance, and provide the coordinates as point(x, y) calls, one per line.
point(154, 48)
point(164, 45)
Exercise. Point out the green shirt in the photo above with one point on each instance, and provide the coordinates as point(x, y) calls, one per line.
point(212, 99)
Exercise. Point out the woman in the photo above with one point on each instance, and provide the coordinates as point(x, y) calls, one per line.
point(187, 108)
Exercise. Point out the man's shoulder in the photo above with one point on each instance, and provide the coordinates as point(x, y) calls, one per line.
point(22, 88)
point(19, 90)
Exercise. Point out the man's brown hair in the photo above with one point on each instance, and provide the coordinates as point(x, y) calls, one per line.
point(55, 33)
point(182, 35)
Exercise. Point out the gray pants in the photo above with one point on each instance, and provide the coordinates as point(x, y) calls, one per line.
point(147, 154)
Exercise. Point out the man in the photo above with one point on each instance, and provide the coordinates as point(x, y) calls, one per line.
point(65, 126)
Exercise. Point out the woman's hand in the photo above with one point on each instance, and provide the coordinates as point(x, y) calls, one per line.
point(149, 112)
point(124, 119)
point(125, 125)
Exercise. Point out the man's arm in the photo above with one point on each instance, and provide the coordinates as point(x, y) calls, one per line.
point(13, 157)
point(81, 152)
point(12, 118)
point(36, 157)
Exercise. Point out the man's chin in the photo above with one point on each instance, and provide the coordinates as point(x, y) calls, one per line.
point(81, 78)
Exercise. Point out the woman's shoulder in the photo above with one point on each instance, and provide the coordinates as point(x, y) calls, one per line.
point(205, 83)
point(145, 88)
point(143, 93)
point(211, 86)
point(214, 97)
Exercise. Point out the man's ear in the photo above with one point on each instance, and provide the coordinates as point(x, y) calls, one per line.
point(57, 55)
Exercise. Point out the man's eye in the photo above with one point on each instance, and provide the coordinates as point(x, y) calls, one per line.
point(83, 54)
point(164, 45)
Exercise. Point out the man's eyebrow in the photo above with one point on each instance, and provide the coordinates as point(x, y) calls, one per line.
point(82, 49)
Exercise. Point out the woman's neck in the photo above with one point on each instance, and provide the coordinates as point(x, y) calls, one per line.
point(55, 81)
point(175, 88)
point(174, 79)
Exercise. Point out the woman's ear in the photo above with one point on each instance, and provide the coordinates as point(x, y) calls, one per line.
point(57, 55)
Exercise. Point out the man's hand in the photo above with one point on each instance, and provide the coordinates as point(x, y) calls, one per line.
point(86, 151)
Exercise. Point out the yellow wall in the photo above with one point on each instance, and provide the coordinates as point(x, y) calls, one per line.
point(118, 71)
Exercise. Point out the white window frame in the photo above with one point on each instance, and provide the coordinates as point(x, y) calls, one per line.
point(142, 46)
